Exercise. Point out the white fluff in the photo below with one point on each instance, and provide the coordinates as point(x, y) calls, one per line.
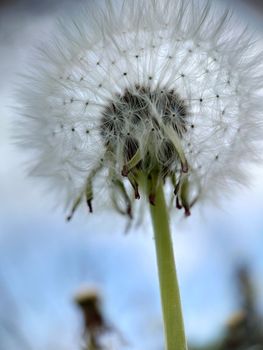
point(195, 49)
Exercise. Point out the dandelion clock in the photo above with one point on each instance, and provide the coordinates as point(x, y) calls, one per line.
point(150, 101)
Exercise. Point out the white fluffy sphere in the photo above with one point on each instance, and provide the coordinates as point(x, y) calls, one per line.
point(167, 86)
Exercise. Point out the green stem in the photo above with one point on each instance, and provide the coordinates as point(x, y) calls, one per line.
point(170, 296)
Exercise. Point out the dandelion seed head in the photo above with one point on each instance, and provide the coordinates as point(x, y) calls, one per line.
point(146, 86)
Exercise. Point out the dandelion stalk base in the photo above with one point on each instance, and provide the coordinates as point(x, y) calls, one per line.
point(170, 295)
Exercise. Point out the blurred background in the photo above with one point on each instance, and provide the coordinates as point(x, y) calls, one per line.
point(63, 285)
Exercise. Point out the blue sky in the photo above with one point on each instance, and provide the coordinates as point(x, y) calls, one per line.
point(44, 260)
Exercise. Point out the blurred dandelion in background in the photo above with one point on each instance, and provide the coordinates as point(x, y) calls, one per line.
point(98, 333)
point(133, 95)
